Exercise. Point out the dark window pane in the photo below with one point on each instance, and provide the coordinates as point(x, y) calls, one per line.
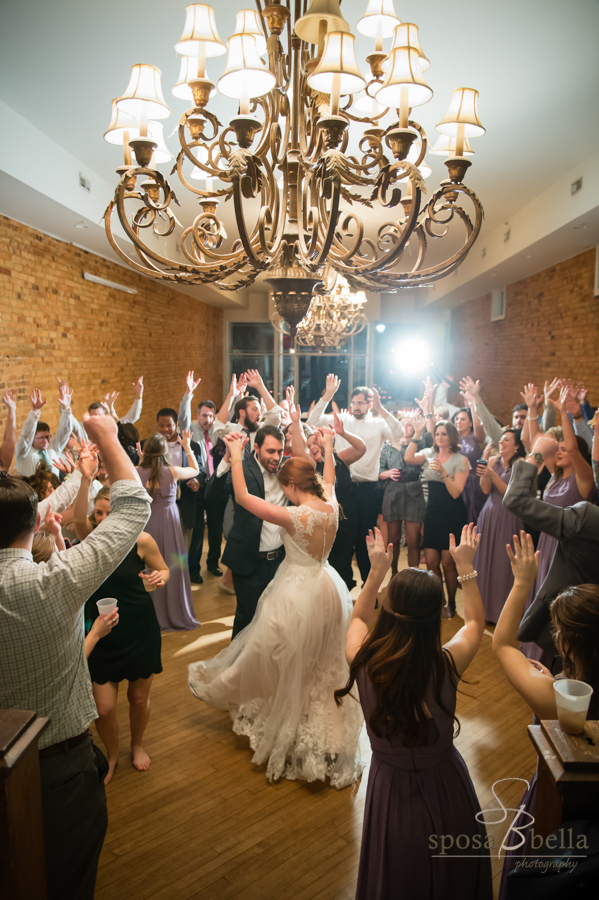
point(313, 371)
point(255, 337)
point(359, 372)
point(361, 341)
point(263, 363)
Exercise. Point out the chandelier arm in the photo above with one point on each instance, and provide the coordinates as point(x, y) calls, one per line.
point(144, 270)
point(275, 130)
point(252, 259)
point(209, 174)
point(207, 117)
point(155, 214)
point(319, 215)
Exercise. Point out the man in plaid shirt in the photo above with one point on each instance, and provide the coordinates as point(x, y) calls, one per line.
point(43, 666)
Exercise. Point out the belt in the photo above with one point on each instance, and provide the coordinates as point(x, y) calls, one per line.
point(64, 746)
point(272, 554)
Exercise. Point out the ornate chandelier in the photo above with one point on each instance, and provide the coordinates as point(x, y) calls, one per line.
point(332, 319)
point(302, 199)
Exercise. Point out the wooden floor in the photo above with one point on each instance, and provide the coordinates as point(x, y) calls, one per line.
point(204, 823)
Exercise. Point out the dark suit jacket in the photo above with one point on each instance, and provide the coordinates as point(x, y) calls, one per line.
point(190, 502)
point(243, 544)
point(576, 559)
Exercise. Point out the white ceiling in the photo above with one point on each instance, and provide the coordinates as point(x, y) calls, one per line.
point(535, 63)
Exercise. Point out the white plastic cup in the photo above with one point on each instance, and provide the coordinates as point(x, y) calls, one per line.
point(148, 571)
point(106, 606)
point(572, 698)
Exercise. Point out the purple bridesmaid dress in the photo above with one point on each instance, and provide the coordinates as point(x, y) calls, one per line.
point(173, 602)
point(472, 495)
point(415, 795)
point(559, 492)
point(496, 526)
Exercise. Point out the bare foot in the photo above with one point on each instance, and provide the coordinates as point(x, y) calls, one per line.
point(112, 764)
point(141, 760)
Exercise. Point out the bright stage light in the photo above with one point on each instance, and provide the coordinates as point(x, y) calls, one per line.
point(412, 356)
point(380, 327)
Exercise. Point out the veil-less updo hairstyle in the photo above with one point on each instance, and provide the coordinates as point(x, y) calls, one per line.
point(303, 476)
point(403, 657)
point(575, 619)
point(154, 457)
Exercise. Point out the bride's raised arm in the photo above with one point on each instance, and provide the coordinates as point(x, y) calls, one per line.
point(269, 512)
point(327, 436)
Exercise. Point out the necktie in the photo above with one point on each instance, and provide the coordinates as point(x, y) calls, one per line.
point(247, 450)
point(208, 446)
point(45, 458)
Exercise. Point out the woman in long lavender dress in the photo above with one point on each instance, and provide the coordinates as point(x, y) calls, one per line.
point(575, 617)
point(472, 441)
point(571, 482)
point(497, 525)
point(173, 602)
point(419, 787)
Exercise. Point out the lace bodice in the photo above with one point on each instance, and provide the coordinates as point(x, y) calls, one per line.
point(315, 532)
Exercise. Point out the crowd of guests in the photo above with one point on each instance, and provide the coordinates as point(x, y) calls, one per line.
point(95, 513)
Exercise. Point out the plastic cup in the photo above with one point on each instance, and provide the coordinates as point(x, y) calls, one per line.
point(148, 571)
point(572, 698)
point(106, 606)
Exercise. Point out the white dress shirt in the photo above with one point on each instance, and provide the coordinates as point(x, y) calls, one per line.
point(26, 458)
point(43, 666)
point(131, 416)
point(175, 452)
point(198, 434)
point(271, 535)
point(374, 431)
point(271, 417)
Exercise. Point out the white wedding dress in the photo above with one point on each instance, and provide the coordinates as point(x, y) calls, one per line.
point(277, 677)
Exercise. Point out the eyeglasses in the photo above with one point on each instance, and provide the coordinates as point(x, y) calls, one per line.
point(359, 403)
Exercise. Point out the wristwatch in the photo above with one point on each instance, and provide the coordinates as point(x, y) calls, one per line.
point(538, 457)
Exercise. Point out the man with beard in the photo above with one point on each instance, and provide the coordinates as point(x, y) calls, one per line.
point(374, 431)
point(248, 410)
point(254, 549)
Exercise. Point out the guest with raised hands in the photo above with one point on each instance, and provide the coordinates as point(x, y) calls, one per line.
point(248, 410)
point(549, 388)
point(105, 407)
point(9, 440)
point(493, 429)
point(403, 500)
point(575, 622)
point(36, 444)
point(374, 431)
point(497, 524)
point(574, 408)
point(173, 602)
point(531, 429)
point(472, 442)
point(419, 786)
point(445, 470)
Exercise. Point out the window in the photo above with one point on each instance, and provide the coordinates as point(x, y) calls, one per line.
point(252, 347)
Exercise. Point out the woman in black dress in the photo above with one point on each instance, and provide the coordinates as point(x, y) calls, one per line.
point(446, 471)
point(131, 651)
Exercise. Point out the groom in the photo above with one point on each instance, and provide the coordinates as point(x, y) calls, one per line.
point(254, 549)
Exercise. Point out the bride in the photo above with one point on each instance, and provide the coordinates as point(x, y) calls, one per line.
point(277, 677)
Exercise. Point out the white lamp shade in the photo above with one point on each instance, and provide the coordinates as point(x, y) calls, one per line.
point(245, 75)
point(201, 155)
point(366, 105)
point(144, 94)
point(188, 72)
point(405, 72)
point(121, 123)
point(424, 170)
point(161, 154)
point(249, 23)
point(379, 20)
point(406, 35)
point(462, 111)
point(200, 27)
point(445, 146)
point(338, 58)
point(308, 27)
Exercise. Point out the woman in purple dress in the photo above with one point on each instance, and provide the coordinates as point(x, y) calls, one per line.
point(575, 617)
point(571, 482)
point(497, 525)
point(472, 441)
point(419, 787)
point(173, 602)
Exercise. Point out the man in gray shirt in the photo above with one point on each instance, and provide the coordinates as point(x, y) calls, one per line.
point(43, 666)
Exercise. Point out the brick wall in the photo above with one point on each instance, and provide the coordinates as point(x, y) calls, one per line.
point(52, 322)
point(550, 328)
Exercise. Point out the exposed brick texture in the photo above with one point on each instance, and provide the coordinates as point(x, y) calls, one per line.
point(550, 328)
point(52, 322)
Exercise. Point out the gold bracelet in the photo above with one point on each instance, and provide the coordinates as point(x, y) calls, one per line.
point(468, 577)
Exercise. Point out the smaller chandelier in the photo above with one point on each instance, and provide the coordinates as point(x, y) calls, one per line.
point(332, 319)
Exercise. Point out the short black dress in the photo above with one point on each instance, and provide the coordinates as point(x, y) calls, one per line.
point(445, 514)
point(132, 649)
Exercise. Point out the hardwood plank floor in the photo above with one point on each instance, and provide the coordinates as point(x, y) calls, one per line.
point(204, 824)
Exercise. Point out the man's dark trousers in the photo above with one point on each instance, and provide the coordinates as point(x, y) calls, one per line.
point(369, 499)
point(215, 510)
point(75, 820)
point(249, 588)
